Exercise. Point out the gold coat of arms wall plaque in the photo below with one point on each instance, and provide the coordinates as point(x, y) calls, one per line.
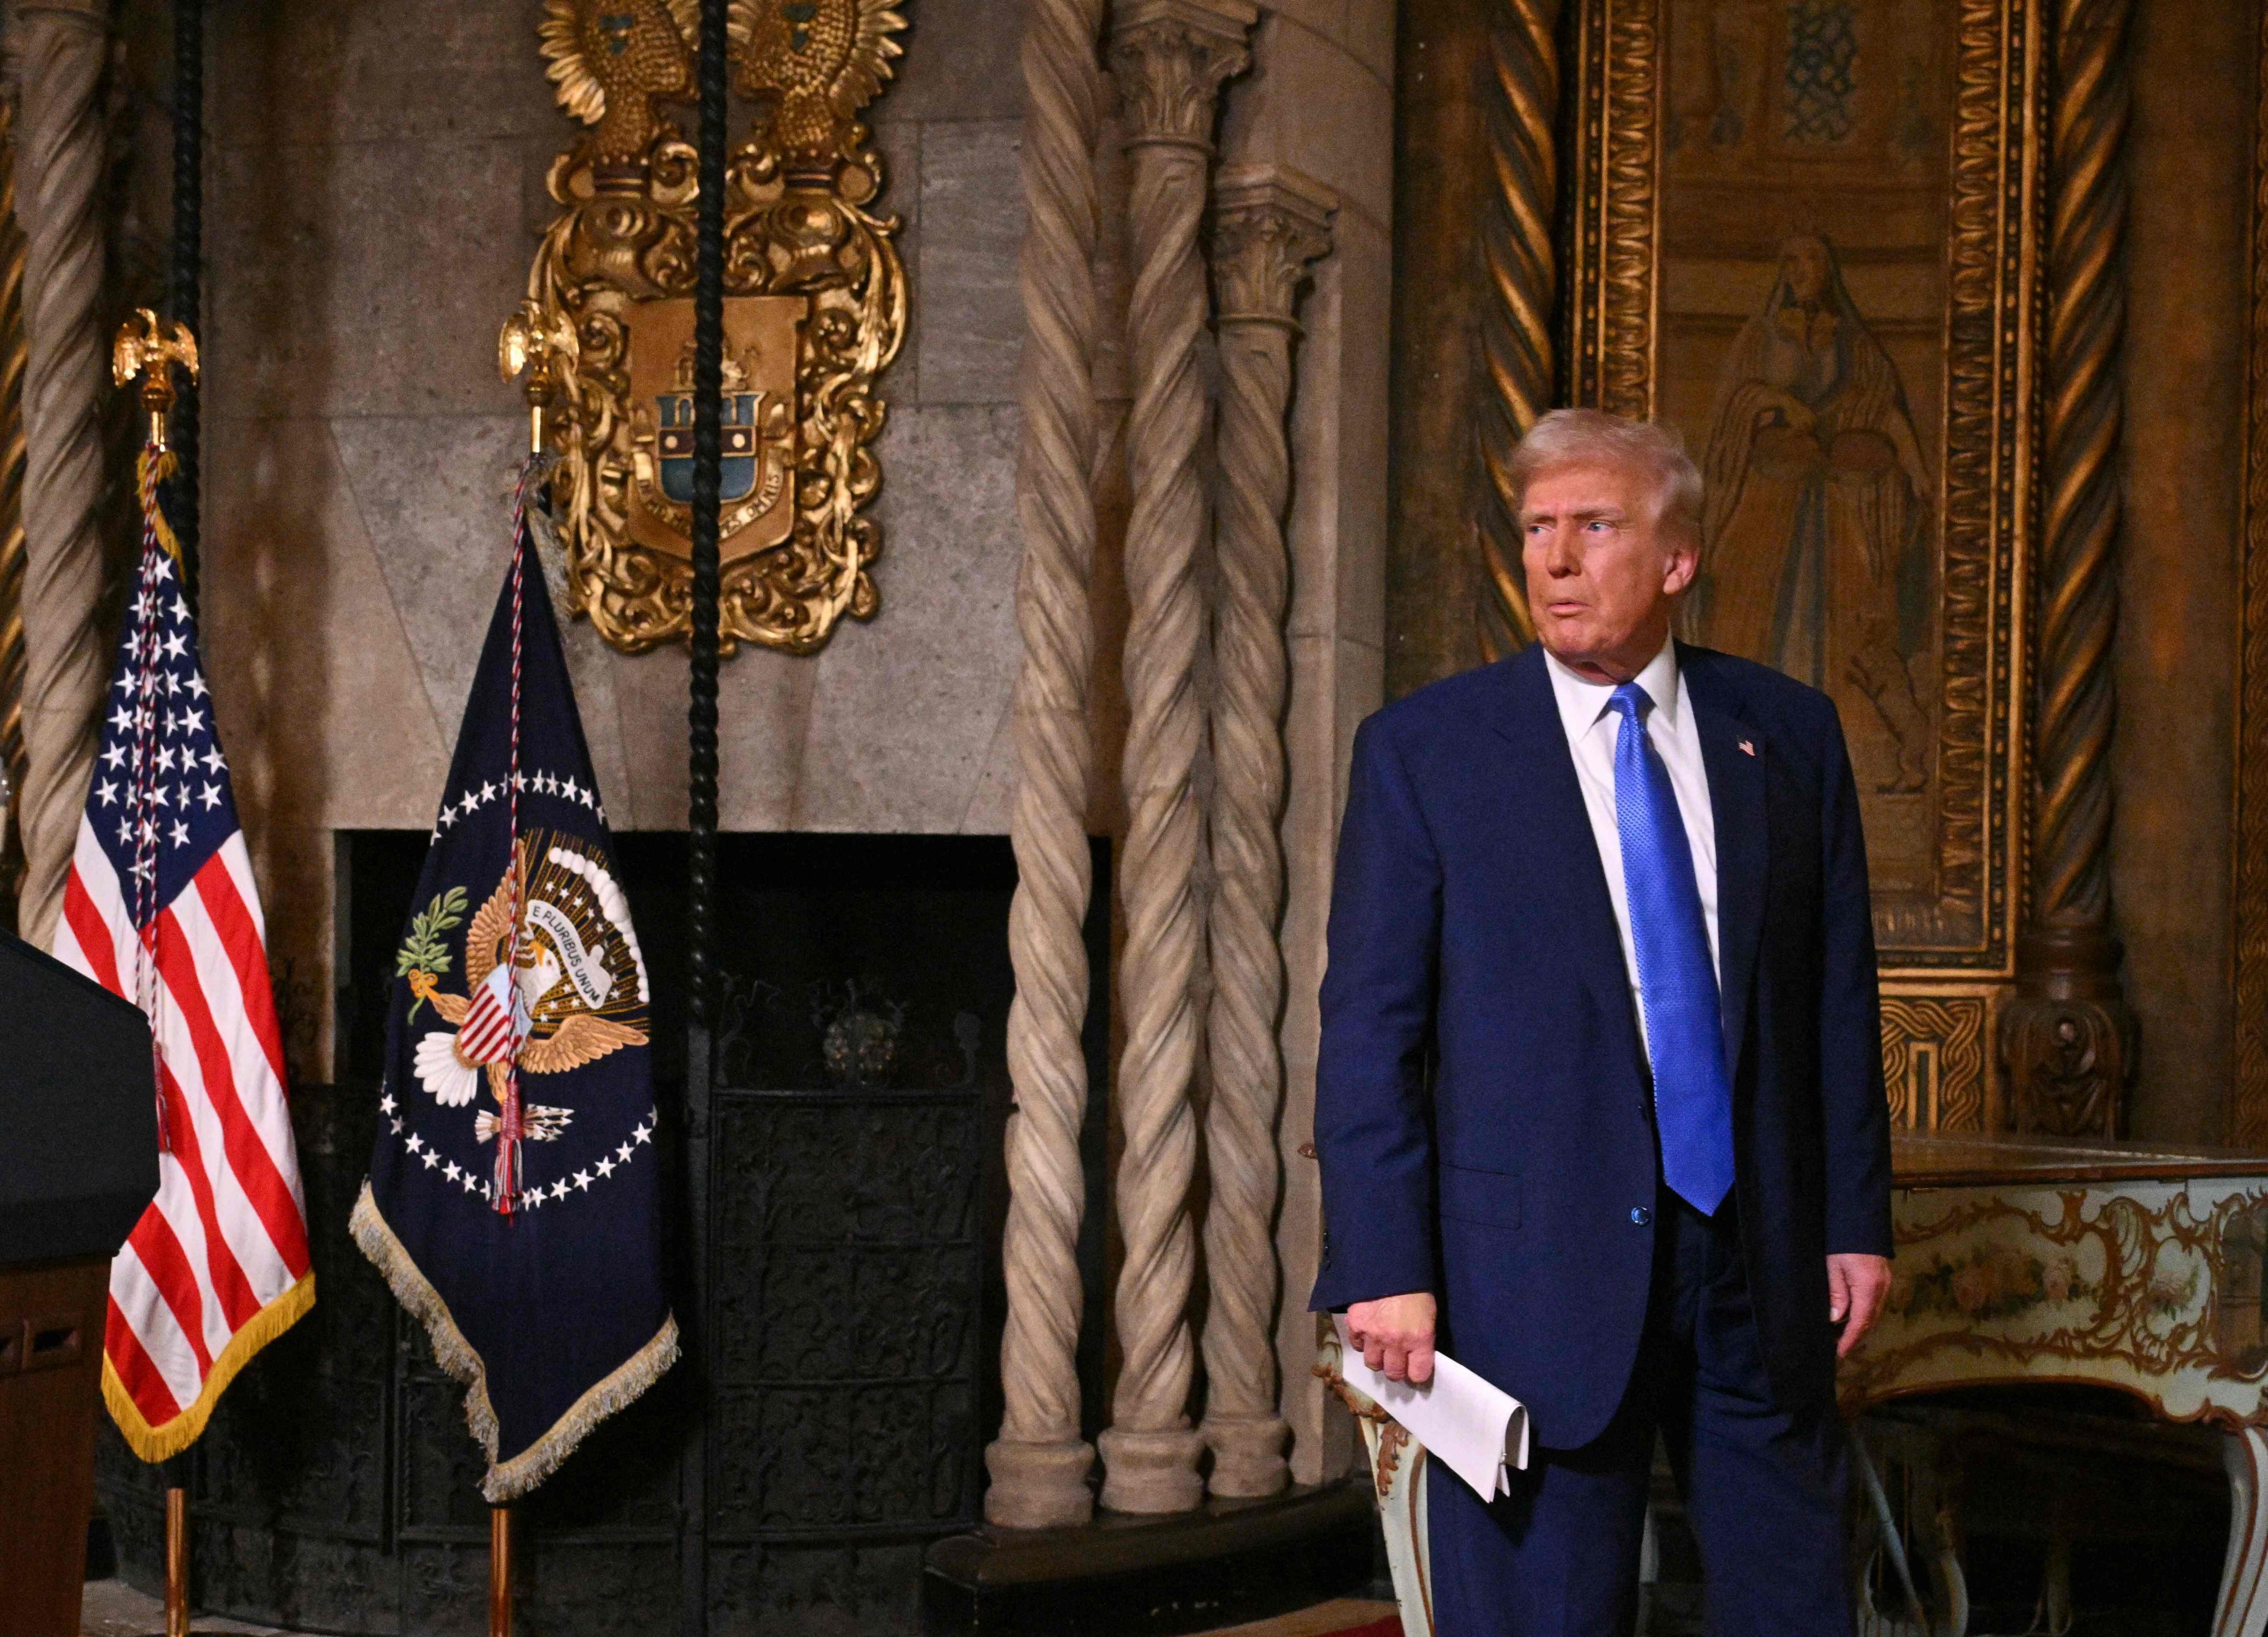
point(815, 309)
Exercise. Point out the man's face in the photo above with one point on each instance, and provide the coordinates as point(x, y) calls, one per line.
point(1601, 574)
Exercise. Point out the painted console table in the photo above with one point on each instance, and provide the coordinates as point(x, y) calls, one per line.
point(2025, 1260)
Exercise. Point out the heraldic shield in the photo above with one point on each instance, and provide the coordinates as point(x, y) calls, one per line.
point(514, 1194)
point(815, 311)
point(759, 434)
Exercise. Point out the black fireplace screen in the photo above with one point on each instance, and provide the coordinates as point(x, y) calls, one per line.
point(841, 1373)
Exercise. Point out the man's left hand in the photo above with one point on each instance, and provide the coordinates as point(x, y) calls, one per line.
point(1856, 1287)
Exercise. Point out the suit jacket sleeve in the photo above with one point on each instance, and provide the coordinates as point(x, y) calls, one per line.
point(1856, 1120)
point(1373, 1133)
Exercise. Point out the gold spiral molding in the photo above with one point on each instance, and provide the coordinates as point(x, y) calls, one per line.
point(2069, 1038)
point(1521, 100)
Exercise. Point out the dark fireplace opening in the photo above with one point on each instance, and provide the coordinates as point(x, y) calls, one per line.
point(843, 1368)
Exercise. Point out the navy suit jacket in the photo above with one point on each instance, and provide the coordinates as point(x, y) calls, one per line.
point(1483, 1112)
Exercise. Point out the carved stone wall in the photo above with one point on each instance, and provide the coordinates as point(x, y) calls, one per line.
point(376, 187)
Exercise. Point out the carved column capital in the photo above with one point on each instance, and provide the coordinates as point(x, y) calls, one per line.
point(1169, 58)
point(1270, 222)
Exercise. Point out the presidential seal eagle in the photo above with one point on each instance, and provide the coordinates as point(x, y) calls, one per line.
point(579, 980)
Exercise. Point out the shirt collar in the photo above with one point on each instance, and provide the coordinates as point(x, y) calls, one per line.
point(1582, 701)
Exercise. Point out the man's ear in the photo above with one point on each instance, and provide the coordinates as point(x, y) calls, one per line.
point(1683, 562)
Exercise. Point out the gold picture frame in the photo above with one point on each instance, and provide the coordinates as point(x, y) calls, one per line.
point(1833, 287)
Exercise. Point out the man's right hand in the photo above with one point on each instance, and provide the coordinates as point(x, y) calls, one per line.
point(1396, 1334)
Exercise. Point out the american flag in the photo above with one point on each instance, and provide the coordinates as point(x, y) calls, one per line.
point(160, 908)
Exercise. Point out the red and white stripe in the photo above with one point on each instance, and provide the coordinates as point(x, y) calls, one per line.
point(226, 1237)
point(490, 1033)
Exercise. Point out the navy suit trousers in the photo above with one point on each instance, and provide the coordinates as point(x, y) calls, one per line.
point(1558, 1557)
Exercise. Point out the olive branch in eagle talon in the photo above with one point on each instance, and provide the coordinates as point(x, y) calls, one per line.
point(564, 1033)
point(423, 955)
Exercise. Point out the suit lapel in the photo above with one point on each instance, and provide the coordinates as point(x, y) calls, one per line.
point(1571, 881)
point(1733, 751)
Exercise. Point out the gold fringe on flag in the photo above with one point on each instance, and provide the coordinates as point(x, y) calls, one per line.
point(160, 1444)
point(509, 1479)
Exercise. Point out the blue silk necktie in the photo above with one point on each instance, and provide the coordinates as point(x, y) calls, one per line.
point(1676, 978)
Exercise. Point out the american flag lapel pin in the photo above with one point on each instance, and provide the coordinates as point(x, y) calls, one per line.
point(1747, 747)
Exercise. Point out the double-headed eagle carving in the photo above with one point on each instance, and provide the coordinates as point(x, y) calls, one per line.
point(811, 64)
point(564, 1033)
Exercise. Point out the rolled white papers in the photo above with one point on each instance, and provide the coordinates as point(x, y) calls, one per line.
point(1476, 1429)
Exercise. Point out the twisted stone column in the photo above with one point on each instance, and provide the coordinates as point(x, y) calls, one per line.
point(2069, 1038)
point(1169, 58)
point(1270, 223)
point(58, 51)
point(11, 501)
point(1520, 96)
point(1039, 1464)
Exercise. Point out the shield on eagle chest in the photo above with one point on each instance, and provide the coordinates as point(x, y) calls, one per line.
point(758, 434)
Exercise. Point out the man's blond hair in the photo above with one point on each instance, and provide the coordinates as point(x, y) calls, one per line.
point(1566, 437)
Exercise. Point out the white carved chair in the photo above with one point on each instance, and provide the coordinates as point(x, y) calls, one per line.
point(1397, 1471)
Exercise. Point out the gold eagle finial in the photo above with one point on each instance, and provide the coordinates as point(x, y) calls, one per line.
point(538, 341)
point(149, 347)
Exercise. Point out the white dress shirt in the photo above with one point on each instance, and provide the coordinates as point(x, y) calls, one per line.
point(1592, 729)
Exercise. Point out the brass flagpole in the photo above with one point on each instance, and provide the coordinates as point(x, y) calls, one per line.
point(177, 1556)
point(147, 349)
point(499, 1571)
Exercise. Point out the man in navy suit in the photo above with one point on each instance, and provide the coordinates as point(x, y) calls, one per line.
point(1600, 1105)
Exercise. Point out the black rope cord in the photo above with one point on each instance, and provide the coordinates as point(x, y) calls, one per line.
point(708, 412)
point(185, 288)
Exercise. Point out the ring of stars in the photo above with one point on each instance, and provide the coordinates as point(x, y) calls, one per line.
point(534, 1196)
point(538, 782)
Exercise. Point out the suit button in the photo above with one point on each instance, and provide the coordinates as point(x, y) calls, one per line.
point(1640, 1215)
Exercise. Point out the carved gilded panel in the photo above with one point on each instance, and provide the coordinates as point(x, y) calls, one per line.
point(1934, 1062)
point(815, 309)
point(1805, 232)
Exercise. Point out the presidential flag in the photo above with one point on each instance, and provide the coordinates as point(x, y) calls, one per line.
point(514, 1193)
point(159, 906)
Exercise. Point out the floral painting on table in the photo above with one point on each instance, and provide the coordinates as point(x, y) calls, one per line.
point(2155, 1286)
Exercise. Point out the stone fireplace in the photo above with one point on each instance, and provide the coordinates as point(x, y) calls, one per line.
point(841, 1377)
